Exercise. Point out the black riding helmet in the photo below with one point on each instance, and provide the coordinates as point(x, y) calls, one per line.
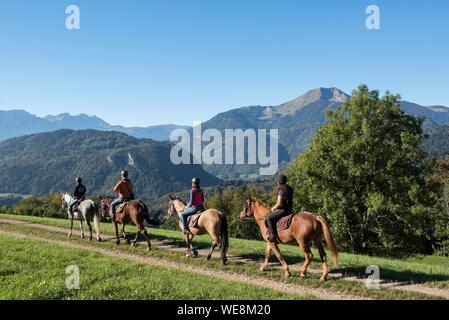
point(79, 180)
point(282, 179)
point(124, 174)
point(196, 181)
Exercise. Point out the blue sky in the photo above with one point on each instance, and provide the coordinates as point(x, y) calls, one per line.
point(174, 61)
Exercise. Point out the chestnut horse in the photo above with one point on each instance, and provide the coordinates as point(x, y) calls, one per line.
point(305, 227)
point(211, 221)
point(134, 212)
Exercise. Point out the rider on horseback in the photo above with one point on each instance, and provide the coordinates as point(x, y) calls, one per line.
point(283, 207)
point(124, 188)
point(195, 205)
point(78, 195)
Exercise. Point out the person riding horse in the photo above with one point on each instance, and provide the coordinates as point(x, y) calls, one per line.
point(282, 208)
point(124, 188)
point(78, 195)
point(195, 205)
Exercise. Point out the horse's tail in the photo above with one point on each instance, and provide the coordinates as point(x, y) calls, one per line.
point(224, 238)
point(97, 217)
point(329, 240)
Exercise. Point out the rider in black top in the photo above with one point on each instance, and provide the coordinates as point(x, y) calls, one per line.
point(283, 207)
point(78, 194)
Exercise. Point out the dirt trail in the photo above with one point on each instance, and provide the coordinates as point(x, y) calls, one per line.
point(417, 288)
point(258, 281)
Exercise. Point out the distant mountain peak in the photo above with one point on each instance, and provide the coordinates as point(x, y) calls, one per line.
point(320, 94)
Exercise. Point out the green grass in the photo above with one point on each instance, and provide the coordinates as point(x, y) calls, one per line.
point(255, 249)
point(36, 270)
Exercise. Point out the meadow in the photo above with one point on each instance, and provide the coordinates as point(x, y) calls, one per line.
point(431, 271)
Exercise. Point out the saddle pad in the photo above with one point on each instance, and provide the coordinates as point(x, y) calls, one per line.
point(284, 223)
point(193, 220)
point(121, 207)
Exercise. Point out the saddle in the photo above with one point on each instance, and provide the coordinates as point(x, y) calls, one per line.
point(284, 222)
point(121, 207)
point(193, 219)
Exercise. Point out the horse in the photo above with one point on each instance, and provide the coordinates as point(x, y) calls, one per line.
point(211, 222)
point(135, 212)
point(305, 227)
point(87, 211)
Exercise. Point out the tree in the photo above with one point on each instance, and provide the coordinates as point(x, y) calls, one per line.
point(364, 172)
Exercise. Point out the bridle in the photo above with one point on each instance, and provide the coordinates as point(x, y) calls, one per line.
point(246, 208)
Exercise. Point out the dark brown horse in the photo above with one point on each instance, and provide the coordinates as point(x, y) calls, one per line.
point(305, 227)
point(133, 213)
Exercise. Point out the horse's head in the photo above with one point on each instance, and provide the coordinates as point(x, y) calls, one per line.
point(175, 205)
point(105, 203)
point(65, 199)
point(247, 211)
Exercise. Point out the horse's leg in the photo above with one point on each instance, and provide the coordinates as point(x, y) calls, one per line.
point(189, 245)
point(81, 228)
point(117, 240)
point(319, 245)
point(264, 265)
point(134, 242)
point(213, 245)
point(124, 234)
point(147, 237)
point(278, 254)
point(71, 227)
point(308, 258)
point(90, 227)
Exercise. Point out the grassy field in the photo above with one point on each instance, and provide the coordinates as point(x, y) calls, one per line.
point(37, 270)
point(433, 271)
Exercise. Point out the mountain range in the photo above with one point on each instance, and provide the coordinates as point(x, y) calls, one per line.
point(16, 123)
point(297, 121)
point(49, 162)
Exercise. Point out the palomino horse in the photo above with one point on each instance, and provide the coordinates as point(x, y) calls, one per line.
point(211, 221)
point(135, 212)
point(305, 227)
point(87, 211)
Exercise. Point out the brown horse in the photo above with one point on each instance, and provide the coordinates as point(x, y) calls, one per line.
point(305, 227)
point(211, 221)
point(133, 213)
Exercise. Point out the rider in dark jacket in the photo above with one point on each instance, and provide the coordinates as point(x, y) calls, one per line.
point(283, 207)
point(78, 194)
point(196, 204)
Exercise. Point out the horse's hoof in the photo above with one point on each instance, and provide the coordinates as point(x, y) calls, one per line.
point(195, 253)
point(69, 235)
point(324, 278)
point(287, 274)
point(148, 249)
point(263, 269)
point(99, 239)
point(90, 239)
point(117, 242)
point(208, 257)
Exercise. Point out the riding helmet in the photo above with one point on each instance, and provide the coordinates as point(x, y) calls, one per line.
point(79, 180)
point(124, 174)
point(196, 181)
point(282, 179)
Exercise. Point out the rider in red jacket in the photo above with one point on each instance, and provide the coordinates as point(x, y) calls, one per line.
point(196, 203)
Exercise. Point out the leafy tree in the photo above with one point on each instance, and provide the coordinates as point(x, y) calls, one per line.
point(363, 170)
point(437, 182)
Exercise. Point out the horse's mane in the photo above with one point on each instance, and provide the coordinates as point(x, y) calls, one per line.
point(259, 202)
point(182, 201)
